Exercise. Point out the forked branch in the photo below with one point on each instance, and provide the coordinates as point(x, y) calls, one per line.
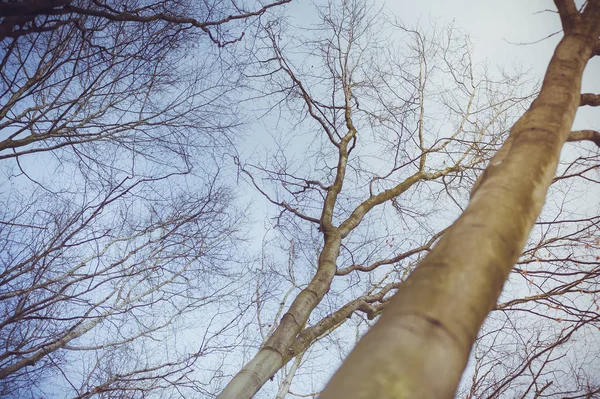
point(569, 15)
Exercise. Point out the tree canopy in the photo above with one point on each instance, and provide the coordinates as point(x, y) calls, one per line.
point(428, 208)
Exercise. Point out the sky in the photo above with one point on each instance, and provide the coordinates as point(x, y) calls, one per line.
point(512, 32)
point(504, 33)
point(519, 33)
point(497, 30)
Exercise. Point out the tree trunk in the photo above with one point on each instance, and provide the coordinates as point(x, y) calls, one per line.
point(420, 346)
point(277, 351)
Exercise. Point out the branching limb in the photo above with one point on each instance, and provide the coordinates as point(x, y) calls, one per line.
point(371, 305)
point(205, 26)
point(25, 11)
point(596, 49)
point(591, 99)
point(395, 259)
point(127, 16)
point(590, 135)
point(360, 211)
point(281, 204)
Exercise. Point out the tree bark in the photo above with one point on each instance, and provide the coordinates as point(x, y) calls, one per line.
point(420, 346)
point(277, 351)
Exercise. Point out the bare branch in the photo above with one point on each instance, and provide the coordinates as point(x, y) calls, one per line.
point(35, 7)
point(395, 259)
point(281, 204)
point(22, 12)
point(313, 110)
point(125, 16)
point(591, 99)
point(368, 304)
point(580, 135)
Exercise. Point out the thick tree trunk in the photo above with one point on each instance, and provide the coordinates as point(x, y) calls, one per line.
point(420, 346)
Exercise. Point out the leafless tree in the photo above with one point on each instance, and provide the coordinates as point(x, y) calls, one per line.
point(381, 127)
point(421, 344)
point(119, 237)
point(117, 230)
point(217, 20)
point(541, 338)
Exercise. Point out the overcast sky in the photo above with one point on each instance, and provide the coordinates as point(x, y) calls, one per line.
point(496, 28)
point(506, 33)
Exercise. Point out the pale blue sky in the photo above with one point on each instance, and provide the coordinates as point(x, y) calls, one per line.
point(511, 32)
point(496, 28)
point(505, 34)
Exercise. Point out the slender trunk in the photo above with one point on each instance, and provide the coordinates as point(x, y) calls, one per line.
point(420, 346)
point(277, 351)
point(284, 389)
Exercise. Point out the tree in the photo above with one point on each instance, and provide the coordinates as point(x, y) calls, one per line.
point(360, 158)
point(36, 16)
point(116, 222)
point(421, 345)
point(123, 273)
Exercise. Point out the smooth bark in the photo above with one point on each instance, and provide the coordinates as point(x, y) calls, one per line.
point(277, 351)
point(420, 346)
